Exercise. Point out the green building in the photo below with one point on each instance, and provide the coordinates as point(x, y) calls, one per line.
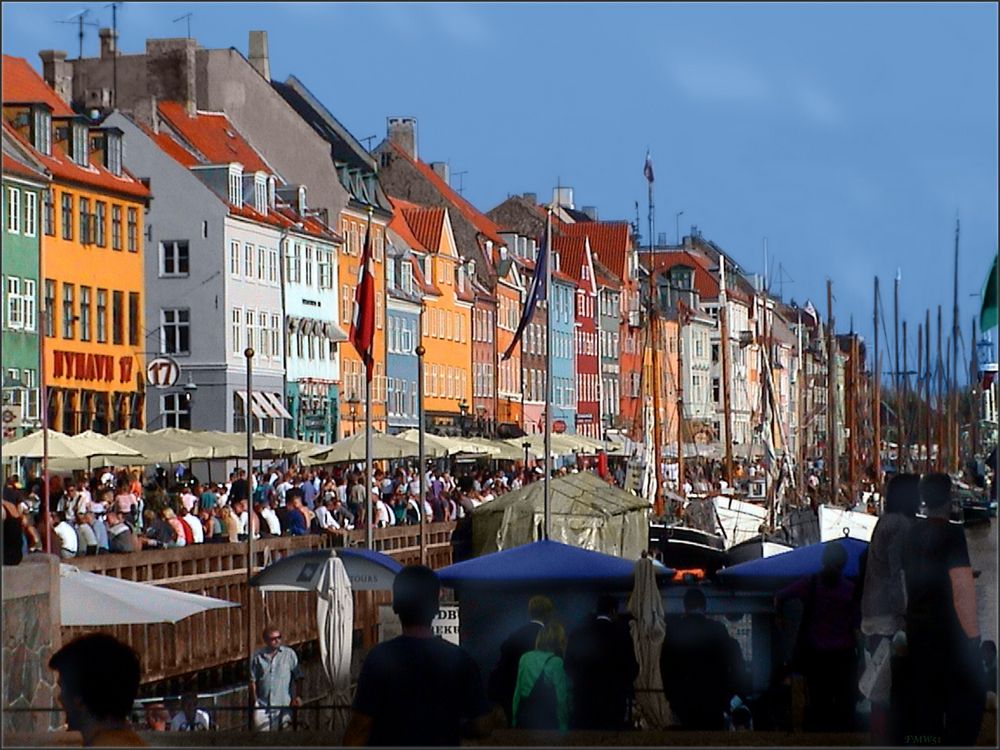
point(25, 183)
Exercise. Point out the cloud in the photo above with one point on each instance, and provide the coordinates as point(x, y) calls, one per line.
point(718, 80)
point(816, 104)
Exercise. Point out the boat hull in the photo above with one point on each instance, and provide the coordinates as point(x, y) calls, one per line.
point(683, 548)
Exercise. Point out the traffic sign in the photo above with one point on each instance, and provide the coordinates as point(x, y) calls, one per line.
point(162, 372)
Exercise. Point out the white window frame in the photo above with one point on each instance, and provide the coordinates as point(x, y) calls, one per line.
point(308, 262)
point(236, 319)
point(261, 263)
point(175, 327)
point(275, 336)
point(15, 311)
point(29, 302)
point(248, 261)
point(171, 248)
point(30, 213)
point(234, 259)
point(173, 408)
point(13, 210)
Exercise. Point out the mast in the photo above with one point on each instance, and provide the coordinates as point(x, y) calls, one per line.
point(800, 412)
point(928, 431)
point(973, 397)
point(852, 425)
point(681, 315)
point(954, 358)
point(897, 393)
point(833, 465)
point(548, 372)
point(919, 404)
point(904, 444)
point(654, 338)
point(938, 463)
point(876, 404)
point(724, 352)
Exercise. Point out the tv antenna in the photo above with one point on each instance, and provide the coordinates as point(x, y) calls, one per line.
point(461, 182)
point(783, 276)
point(80, 19)
point(188, 17)
point(368, 141)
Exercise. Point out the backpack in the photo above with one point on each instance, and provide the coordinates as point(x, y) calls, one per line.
point(539, 709)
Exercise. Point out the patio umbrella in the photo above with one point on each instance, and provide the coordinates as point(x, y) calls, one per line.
point(62, 446)
point(367, 570)
point(497, 449)
point(648, 630)
point(449, 446)
point(91, 599)
point(770, 573)
point(353, 449)
point(160, 449)
point(335, 624)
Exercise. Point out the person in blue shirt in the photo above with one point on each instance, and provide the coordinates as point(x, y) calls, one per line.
point(295, 518)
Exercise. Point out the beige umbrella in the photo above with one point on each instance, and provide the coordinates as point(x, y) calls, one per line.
point(445, 445)
point(648, 630)
point(160, 449)
point(353, 449)
point(497, 449)
point(65, 447)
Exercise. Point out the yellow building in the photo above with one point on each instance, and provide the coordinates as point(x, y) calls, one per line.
point(446, 331)
point(92, 259)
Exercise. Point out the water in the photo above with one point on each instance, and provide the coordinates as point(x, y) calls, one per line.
point(982, 541)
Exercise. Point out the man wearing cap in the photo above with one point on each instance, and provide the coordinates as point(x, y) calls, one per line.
point(945, 696)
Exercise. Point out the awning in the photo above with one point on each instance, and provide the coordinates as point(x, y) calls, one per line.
point(279, 408)
point(255, 407)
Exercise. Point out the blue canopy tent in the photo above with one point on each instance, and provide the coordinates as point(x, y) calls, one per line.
point(493, 590)
point(771, 573)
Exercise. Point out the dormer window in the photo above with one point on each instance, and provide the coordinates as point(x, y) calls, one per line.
point(406, 277)
point(236, 184)
point(80, 144)
point(260, 202)
point(41, 129)
point(113, 151)
point(390, 274)
point(472, 268)
point(271, 191)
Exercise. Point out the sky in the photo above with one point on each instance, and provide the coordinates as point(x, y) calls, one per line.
point(846, 138)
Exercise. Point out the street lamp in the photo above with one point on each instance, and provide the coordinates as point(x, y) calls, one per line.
point(526, 445)
point(677, 225)
point(352, 405)
point(463, 407)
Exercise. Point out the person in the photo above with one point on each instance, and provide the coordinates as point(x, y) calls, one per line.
point(190, 718)
point(541, 697)
point(13, 530)
point(98, 682)
point(826, 641)
point(438, 685)
point(276, 682)
point(120, 538)
point(699, 666)
point(944, 673)
point(521, 641)
point(68, 542)
point(230, 524)
point(208, 499)
point(239, 488)
point(296, 516)
point(601, 664)
point(194, 525)
point(157, 717)
point(86, 540)
point(883, 599)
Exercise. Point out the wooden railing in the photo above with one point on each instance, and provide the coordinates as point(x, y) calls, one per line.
point(219, 637)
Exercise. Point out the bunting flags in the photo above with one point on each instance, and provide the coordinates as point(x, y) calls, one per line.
point(647, 169)
point(536, 292)
point(363, 323)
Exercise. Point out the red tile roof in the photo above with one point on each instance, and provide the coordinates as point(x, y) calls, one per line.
point(213, 136)
point(399, 225)
point(605, 277)
point(480, 221)
point(94, 176)
point(16, 167)
point(23, 85)
point(427, 225)
point(572, 254)
point(609, 241)
point(706, 282)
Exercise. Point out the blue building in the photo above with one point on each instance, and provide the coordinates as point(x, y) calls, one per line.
point(404, 298)
point(563, 350)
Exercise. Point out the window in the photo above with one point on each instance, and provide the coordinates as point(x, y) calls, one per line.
point(102, 316)
point(261, 263)
point(309, 265)
point(174, 258)
point(175, 331)
point(30, 309)
point(13, 210)
point(80, 144)
point(346, 303)
point(116, 227)
point(378, 312)
point(248, 261)
point(133, 230)
point(176, 411)
point(272, 266)
point(325, 258)
point(14, 310)
point(251, 319)
point(234, 259)
point(275, 335)
point(30, 214)
point(85, 313)
point(235, 186)
point(86, 231)
point(117, 317)
point(68, 312)
point(295, 263)
point(133, 318)
point(49, 213)
point(41, 135)
point(265, 339)
point(237, 331)
point(67, 216)
point(101, 217)
point(50, 306)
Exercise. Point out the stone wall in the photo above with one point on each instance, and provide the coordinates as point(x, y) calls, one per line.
point(31, 634)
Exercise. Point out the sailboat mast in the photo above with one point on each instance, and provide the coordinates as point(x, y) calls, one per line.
point(833, 465)
point(904, 444)
point(654, 331)
point(876, 402)
point(547, 490)
point(973, 397)
point(954, 358)
point(724, 352)
point(681, 314)
point(939, 462)
point(852, 422)
point(800, 412)
point(918, 400)
point(897, 392)
point(928, 431)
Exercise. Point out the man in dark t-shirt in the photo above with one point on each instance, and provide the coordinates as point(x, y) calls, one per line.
point(944, 700)
point(416, 689)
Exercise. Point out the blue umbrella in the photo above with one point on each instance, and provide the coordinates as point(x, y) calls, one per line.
point(367, 570)
point(775, 571)
point(544, 562)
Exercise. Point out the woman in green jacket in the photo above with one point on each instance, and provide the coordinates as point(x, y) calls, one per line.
point(541, 694)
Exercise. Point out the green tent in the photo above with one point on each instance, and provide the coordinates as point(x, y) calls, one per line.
point(988, 312)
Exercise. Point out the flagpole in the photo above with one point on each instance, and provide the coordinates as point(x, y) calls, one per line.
point(369, 366)
point(548, 373)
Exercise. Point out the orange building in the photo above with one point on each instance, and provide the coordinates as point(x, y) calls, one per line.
point(92, 259)
point(446, 331)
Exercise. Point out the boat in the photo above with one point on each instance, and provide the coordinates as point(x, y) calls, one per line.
point(685, 548)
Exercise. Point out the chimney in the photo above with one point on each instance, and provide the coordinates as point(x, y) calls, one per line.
point(58, 73)
point(109, 42)
point(563, 196)
point(403, 132)
point(300, 207)
point(258, 54)
point(591, 212)
point(170, 71)
point(533, 197)
point(441, 170)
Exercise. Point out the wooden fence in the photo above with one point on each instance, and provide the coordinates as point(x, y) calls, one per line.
point(218, 638)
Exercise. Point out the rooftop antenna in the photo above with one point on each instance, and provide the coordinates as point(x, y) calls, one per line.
point(114, 59)
point(188, 17)
point(782, 277)
point(461, 182)
point(368, 141)
point(80, 20)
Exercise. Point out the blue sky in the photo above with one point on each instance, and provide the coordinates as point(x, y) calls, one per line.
point(848, 135)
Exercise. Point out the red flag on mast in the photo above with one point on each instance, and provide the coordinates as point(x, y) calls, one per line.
point(363, 323)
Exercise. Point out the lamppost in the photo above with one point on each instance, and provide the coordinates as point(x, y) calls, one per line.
point(463, 407)
point(352, 406)
point(481, 420)
point(526, 445)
